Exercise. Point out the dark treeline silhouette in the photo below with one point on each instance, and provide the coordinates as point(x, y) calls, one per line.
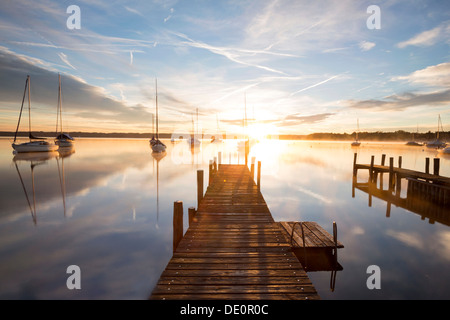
point(399, 135)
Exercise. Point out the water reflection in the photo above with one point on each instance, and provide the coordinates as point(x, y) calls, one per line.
point(34, 159)
point(157, 156)
point(113, 190)
point(428, 200)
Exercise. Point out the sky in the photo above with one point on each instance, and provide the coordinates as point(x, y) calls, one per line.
point(292, 67)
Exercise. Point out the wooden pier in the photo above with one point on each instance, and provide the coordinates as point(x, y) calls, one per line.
point(233, 248)
point(423, 186)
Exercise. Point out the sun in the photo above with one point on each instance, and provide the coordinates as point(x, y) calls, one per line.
point(258, 131)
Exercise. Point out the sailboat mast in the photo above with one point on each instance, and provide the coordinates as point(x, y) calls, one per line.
point(29, 107)
point(59, 106)
point(21, 108)
point(60, 103)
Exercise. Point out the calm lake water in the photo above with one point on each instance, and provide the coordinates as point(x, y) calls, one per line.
point(107, 208)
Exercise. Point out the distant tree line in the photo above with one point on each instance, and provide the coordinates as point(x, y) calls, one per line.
point(399, 135)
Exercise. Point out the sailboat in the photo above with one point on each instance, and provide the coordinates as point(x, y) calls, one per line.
point(217, 139)
point(194, 141)
point(356, 143)
point(157, 146)
point(35, 144)
point(437, 143)
point(63, 140)
point(413, 142)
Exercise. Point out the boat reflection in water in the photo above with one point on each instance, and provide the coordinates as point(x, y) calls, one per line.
point(36, 159)
point(157, 156)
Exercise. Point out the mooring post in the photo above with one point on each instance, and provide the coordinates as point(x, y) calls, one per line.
point(400, 161)
point(383, 158)
point(372, 160)
point(427, 165)
point(391, 173)
point(191, 212)
point(436, 166)
point(258, 179)
point(177, 223)
point(355, 155)
point(210, 172)
point(252, 168)
point(199, 186)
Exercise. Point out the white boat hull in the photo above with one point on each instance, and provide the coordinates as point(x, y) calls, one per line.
point(35, 146)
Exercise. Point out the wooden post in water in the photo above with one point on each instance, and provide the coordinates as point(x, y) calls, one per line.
point(199, 186)
point(191, 212)
point(177, 223)
point(383, 158)
point(391, 173)
point(258, 179)
point(427, 165)
point(355, 155)
point(210, 172)
point(372, 160)
point(400, 161)
point(436, 166)
point(252, 168)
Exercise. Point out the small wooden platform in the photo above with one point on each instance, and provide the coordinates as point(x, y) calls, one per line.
point(233, 249)
point(315, 236)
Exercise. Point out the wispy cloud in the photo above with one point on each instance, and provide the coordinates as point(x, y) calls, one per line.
point(133, 11)
point(64, 59)
point(437, 75)
point(403, 101)
point(429, 37)
point(314, 85)
point(233, 54)
point(366, 45)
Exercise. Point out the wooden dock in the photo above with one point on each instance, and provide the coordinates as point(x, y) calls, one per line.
point(233, 248)
point(431, 187)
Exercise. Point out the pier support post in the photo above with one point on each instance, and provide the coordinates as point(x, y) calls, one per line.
point(400, 161)
point(258, 179)
point(199, 186)
point(391, 173)
point(436, 166)
point(427, 165)
point(177, 223)
point(372, 160)
point(252, 168)
point(355, 155)
point(191, 212)
point(383, 159)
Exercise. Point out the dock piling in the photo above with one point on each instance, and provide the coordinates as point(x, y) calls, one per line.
point(200, 186)
point(258, 179)
point(177, 223)
point(436, 166)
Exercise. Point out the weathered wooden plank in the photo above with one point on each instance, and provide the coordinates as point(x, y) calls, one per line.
point(233, 249)
point(303, 280)
point(236, 296)
point(234, 289)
